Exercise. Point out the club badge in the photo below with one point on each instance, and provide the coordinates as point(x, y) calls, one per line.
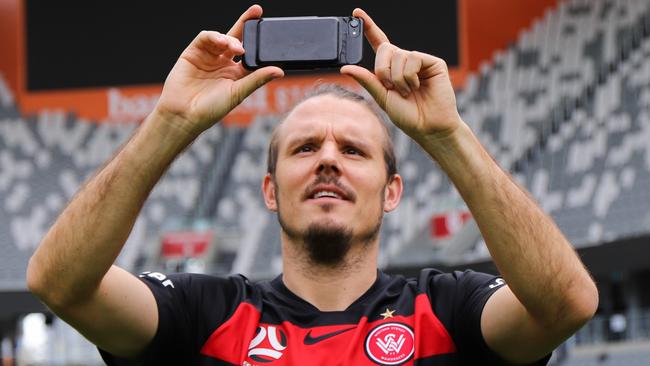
point(390, 344)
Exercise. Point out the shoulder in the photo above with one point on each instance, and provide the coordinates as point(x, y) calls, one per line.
point(185, 280)
point(457, 293)
point(431, 279)
point(199, 286)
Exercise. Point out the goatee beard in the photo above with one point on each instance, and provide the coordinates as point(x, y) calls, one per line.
point(328, 245)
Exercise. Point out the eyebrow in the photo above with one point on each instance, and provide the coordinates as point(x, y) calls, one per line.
point(301, 140)
point(344, 141)
point(356, 143)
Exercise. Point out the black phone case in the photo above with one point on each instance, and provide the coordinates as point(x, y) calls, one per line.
point(302, 43)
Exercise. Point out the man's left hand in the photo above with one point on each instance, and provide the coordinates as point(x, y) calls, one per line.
point(411, 86)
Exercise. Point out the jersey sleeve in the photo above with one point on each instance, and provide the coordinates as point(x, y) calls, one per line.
point(189, 306)
point(458, 299)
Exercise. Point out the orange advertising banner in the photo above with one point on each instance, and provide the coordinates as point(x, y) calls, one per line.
point(134, 103)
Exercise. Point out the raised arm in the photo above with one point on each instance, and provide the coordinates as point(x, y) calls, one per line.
point(549, 294)
point(72, 271)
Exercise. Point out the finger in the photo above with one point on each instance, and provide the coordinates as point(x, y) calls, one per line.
point(397, 63)
point(374, 34)
point(431, 66)
point(210, 41)
point(213, 43)
point(383, 63)
point(234, 48)
point(369, 81)
point(411, 70)
point(253, 81)
point(255, 11)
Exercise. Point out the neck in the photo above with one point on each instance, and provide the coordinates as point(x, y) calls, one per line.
point(330, 288)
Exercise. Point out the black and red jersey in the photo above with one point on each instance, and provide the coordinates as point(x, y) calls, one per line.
point(430, 320)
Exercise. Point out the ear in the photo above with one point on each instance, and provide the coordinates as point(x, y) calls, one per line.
point(268, 190)
point(393, 193)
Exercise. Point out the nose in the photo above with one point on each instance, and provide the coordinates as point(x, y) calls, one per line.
point(328, 162)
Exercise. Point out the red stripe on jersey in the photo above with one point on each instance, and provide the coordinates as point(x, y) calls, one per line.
point(431, 337)
point(230, 341)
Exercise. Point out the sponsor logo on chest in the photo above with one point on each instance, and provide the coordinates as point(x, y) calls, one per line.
point(268, 344)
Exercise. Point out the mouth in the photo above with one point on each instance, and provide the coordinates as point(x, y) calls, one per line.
point(323, 193)
point(326, 194)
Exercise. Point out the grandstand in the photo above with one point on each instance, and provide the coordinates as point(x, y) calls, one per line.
point(565, 108)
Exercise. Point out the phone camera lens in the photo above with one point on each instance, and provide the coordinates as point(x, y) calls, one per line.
point(354, 23)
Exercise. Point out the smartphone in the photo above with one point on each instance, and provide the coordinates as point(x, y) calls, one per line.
point(302, 43)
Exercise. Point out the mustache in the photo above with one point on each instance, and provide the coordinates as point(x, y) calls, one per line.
point(333, 180)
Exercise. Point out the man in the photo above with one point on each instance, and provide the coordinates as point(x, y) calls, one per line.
point(331, 177)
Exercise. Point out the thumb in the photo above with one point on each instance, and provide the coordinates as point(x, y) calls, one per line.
point(253, 81)
point(369, 81)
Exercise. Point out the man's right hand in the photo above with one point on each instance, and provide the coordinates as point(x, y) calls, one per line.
point(205, 83)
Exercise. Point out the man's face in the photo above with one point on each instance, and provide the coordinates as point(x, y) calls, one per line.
point(330, 174)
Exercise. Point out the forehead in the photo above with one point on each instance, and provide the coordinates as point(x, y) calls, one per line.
point(327, 113)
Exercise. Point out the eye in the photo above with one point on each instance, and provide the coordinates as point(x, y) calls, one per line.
point(305, 149)
point(352, 151)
